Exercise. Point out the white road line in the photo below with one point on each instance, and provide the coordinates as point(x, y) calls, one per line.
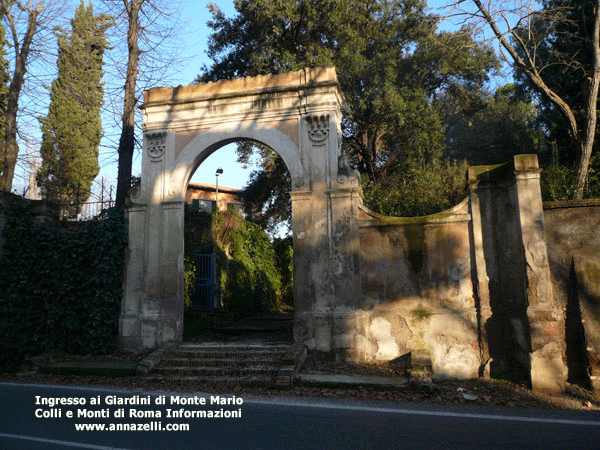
point(56, 442)
point(417, 412)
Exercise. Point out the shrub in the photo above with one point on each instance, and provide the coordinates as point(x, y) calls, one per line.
point(60, 285)
point(558, 181)
point(418, 191)
point(248, 278)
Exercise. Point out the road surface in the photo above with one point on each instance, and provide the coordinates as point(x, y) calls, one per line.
point(44, 417)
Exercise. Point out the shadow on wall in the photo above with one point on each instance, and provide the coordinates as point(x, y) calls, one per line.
point(469, 287)
point(417, 294)
point(507, 325)
point(573, 236)
point(578, 359)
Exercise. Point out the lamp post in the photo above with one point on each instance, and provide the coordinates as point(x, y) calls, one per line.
point(217, 173)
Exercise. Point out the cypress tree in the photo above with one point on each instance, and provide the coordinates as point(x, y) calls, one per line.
point(72, 130)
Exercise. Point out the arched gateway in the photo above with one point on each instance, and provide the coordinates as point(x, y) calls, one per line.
point(298, 115)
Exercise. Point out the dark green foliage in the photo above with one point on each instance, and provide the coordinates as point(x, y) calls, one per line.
point(558, 180)
point(491, 129)
point(284, 252)
point(418, 191)
point(60, 286)
point(248, 277)
point(560, 36)
point(253, 280)
point(72, 129)
point(268, 190)
point(198, 232)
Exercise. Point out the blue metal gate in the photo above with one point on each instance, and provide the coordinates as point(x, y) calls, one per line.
point(202, 295)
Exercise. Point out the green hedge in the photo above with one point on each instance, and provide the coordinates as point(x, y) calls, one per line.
point(60, 285)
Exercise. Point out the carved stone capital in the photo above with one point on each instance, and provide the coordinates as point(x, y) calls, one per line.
point(156, 144)
point(318, 129)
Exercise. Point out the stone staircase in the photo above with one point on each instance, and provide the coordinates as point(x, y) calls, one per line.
point(229, 364)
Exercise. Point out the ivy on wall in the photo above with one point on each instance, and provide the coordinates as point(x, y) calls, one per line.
point(60, 284)
point(248, 277)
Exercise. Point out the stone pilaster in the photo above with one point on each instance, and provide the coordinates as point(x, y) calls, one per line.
point(152, 307)
point(546, 322)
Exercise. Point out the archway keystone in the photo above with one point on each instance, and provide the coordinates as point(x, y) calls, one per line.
point(298, 115)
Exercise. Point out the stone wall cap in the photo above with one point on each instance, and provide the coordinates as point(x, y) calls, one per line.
point(526, 162)
point(490, 173)
point(590, 202)
point(262, 83)
point(458, 213)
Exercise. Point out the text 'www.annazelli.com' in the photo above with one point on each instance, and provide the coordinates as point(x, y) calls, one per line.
point(150, 426)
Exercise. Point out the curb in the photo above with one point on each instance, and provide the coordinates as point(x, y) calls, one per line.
point(85, 368)
point(345, 381)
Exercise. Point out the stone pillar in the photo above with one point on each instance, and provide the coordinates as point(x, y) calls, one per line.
point(130, 337)
point(326, 240)
point(546, 322)
point(345, 245)
point(152, 308)
point(318, 138)
point(303, 283)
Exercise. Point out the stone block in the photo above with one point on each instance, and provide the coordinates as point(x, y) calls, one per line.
point(548, 370)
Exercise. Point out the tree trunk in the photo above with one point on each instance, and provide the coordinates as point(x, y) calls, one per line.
point(591, 111)
point(127, 139)
point(11, 146)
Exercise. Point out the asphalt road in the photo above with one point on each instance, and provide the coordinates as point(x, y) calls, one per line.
point(281, 423)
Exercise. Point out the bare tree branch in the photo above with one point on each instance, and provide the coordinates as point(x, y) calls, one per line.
point(521, 43)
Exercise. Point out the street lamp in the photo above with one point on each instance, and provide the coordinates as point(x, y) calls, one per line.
point(217, 173)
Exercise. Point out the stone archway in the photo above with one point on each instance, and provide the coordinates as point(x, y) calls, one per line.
point(298, 115)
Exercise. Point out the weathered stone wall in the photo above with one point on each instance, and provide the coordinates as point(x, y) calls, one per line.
point(417, 294)
point(573, 239)
point(470, 286)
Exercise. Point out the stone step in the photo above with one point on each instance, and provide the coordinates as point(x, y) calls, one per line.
point(215, 371)
point(228, 354)
point(253, 325)
point(421, 367)
point(227, 381)
point(227, 364)
point(233, 346)
point(221, 361)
